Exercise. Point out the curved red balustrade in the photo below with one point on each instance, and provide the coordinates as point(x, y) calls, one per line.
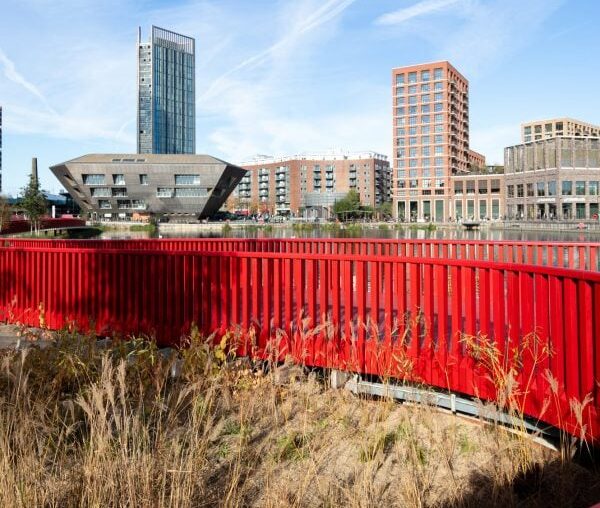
point(483, 319)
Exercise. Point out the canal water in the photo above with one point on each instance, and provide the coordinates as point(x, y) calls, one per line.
point(381, 231)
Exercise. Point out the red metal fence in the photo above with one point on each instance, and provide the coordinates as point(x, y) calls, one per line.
point(578, 255)
point(455, 324)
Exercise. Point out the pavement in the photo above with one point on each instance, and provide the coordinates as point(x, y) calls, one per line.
point(16, 337)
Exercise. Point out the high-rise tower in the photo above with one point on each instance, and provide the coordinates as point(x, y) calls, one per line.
point(166, 93)
point(431, 139)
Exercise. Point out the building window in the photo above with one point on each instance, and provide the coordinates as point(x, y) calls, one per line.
point(94, 179)
point(412, 77)
point(425, 75)
point(413, 183)
point(412, 131)
point(426, 163)
point(400, 111)
point(412, 141)
point(437, 86)
point(458, 187)
point(520, 190)
point(425, 98)
point(143, 179)
point(424, 140)
point(439, 183)
point(400, 131)
point(438, 161)
point(426, 87)
point(495, 186)
point(482, 186)
point(412, 110)
point(438, 139)
point(439, 118)
point(438, 128)
point(439, 149)
point(104, 204)
point(425, 151)
point(119, 179)
point(510, 191)
point(412, 99)
point(425, 108)
point(400, 91)
point(552, 188)
point(412, 152)
point(425, 119)
point(412, 120)
point(412, 163)
point(164, 192)
point(470, 186)
point(100, 192)
point(541, 188)
point(425, 129)
point(567, 188)
point(399, 79)
point(593, 188)
point(413, 173)
point(437, 97)
point(120, 192)
point(187, 179)
point(580, 188)
point(190, 193)
point(438, 73)
point(437, 107)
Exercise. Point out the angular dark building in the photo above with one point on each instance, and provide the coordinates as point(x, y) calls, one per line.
point(126, 186)
point(166, 119)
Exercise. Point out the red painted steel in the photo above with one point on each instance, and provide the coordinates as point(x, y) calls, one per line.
point(437, 320)
point(581, 255)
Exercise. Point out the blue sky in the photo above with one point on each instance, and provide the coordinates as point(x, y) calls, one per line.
point(282, 77)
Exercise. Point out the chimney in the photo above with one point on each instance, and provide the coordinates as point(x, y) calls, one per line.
point(34, 172)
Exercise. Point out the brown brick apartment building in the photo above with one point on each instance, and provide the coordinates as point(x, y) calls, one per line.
point(310, 183)
point(430, 141)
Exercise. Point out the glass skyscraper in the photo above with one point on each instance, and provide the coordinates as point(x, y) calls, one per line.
point(166, 93)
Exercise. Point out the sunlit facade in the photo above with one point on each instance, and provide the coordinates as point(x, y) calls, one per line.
point(166, 93)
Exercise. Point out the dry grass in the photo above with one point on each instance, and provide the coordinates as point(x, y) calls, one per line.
point(87, 426)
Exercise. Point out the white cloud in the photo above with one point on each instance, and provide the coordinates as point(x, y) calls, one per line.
point(413, 11)
point(11, 73)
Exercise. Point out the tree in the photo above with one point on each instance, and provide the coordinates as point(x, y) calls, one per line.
point(348, 207)
point(385, 210)
point(33, 202)
point(5, 212)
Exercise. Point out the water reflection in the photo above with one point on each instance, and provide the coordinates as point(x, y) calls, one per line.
point(383, 231)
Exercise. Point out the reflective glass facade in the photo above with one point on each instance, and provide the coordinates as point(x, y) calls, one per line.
point(166, 93)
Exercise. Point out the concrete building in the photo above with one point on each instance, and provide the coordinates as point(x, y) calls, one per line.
point(430, 140)
point(479, 194)
point(546, 129)
point(166, 106)
point(126, 186)
point(0, 149)
point(555, 178)
point(311, 183)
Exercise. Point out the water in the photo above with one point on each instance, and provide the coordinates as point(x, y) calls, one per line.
point(387, 231)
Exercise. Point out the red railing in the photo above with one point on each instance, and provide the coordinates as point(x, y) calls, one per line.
point(454, 324)
point(578, 255)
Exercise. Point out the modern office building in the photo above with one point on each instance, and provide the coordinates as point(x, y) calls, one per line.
point(546, 129)
point(430, 140)
point(311, 183)
point(166, 117)
point(555, 178)
point(126, 186)
point(0, 149)
point(479, 194)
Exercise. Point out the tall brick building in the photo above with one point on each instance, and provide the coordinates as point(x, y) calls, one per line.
point(311, 183)
point(430, 140)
